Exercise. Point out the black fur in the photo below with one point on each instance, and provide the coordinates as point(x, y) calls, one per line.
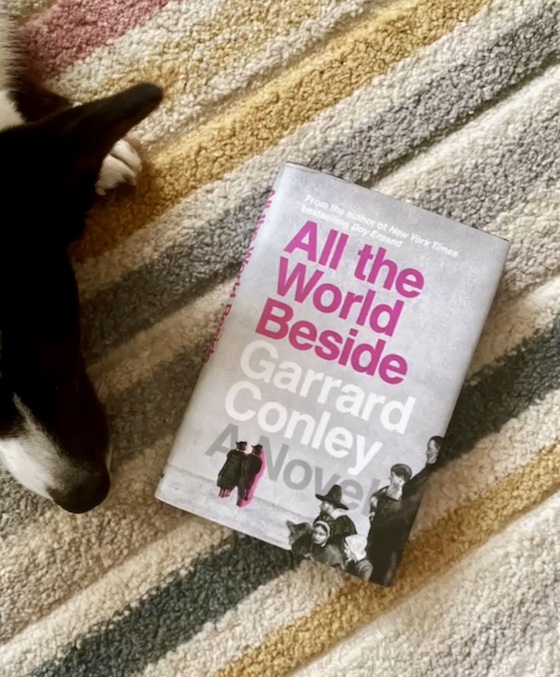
point(48, 172)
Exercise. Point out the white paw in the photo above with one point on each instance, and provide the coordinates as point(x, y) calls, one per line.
point(122, 165)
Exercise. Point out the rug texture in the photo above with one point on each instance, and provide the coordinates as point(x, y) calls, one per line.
point(453, 105)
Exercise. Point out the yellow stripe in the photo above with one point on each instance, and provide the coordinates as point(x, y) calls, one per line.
point(429, 554)
point(220, 48)
point(23, 10)
point(262, 120)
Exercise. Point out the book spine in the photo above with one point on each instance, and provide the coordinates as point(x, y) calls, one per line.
point(227, 309)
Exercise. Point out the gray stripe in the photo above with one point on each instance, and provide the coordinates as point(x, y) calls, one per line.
point(170, 615)
point(174, 613)
point(147, 412)
point(452, 99)
point(150, 293)
point(139, 416)
point(505, 390)
point(518, 167)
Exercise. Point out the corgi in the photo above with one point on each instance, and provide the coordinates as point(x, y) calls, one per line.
point(56, 158)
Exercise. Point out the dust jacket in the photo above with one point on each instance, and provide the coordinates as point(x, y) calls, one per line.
point(325, 397)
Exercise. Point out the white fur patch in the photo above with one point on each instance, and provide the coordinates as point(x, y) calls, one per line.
point(31, 457)
point(122, 165)
point(6, 49)
point(9, 116)
point(35, 461)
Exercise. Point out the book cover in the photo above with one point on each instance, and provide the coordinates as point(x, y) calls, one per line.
point(325, 397)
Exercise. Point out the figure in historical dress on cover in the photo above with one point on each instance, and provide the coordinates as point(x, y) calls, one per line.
point(308, 540)
point(333, 512)
point(357, 562)
point(251, 467)
point(229, 475)
point(413, 490)
point(388, 525)
point(314, 544)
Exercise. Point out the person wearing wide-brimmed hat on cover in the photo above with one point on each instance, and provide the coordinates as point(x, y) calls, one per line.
point(333, 512)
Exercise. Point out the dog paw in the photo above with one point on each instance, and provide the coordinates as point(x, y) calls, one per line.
point(122, 165)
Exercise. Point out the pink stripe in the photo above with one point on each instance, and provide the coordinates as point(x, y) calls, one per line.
point(72, 29)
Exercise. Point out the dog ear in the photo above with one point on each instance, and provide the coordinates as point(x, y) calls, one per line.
point(89, 131)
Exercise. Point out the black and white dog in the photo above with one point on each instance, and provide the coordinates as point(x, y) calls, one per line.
point(54, 157)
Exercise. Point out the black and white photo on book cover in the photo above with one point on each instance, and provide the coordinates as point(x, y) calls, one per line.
point(323, 404)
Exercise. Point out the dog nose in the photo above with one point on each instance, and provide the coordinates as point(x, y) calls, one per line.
point(84, 497)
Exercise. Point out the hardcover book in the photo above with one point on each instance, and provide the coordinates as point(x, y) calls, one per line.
point(325, 397)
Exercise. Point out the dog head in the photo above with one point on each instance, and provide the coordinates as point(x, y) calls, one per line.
point(53, 432)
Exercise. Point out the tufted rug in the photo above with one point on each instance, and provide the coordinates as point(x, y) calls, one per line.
point(453, 105)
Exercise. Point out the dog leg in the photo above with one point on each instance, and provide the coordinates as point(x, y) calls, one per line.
point(35, 101)
point(122, 165)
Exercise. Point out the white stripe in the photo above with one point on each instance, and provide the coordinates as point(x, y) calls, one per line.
point(269, 608)
point(411, 76)
point(471, 620)
point(521, 660)
point(174, 25)
point(495, 457)
point(532, 229)
point(512, 322)
point(138, 358)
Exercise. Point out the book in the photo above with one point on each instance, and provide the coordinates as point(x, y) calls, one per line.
point(324, 400)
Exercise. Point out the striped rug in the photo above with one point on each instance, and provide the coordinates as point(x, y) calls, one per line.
point(451, 104)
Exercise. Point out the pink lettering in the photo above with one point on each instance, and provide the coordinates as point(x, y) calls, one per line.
point(298, 278)
point(303, 335)
point(413, 279)
point(321, 299)
point(392, 316)
point(380, 262)
point(377, 362)
point(396, 364)
point(275, 313)
point(306, 240)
